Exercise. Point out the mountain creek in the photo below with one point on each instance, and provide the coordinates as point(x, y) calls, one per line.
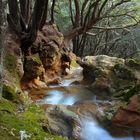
point(70, 101)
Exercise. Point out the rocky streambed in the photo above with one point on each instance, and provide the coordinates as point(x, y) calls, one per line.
point(75, 111)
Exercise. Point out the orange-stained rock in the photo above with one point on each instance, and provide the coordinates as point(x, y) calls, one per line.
point(129, 116)
point(46, 58)
point(54, 81)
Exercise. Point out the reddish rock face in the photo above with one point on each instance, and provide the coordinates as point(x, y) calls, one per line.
point(129, 116)
point(135, 104)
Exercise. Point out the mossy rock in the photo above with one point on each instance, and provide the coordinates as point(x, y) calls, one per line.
point(128, 92)
point(110, 112)
point(123, 72)
point(33, 67)
point(133, 63)
point(10, 64)
point(10, 92)
point(37, 60)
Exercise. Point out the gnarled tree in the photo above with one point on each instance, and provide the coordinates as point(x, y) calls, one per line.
point(86, 14)
point(25, 21)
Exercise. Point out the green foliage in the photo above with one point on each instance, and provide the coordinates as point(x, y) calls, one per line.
point(63, 16)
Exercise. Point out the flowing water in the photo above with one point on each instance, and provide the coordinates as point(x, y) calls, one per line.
point(93, 131)
point(67, 94)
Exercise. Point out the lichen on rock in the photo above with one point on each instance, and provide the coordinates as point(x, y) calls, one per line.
point(109, 74)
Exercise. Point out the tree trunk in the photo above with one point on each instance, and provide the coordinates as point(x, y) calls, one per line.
point(2, 39)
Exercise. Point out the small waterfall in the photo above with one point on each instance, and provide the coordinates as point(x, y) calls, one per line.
point(93, 131)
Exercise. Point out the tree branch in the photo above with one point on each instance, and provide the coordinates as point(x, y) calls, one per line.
point(52, 11)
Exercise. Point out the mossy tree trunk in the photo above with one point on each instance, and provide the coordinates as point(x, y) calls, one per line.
point(2, 40)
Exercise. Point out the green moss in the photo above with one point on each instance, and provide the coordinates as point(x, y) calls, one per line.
point(33, 67)
point(10, 93)
point(31, 120)
point(5, 104)
point(10, 64)
point(36, 59)
point(74, 64)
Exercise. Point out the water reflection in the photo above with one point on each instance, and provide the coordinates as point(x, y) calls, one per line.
point(92, 131)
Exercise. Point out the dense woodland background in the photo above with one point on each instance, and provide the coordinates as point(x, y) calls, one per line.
point(116, 34)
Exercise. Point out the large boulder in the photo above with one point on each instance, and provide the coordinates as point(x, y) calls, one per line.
point(110, 74)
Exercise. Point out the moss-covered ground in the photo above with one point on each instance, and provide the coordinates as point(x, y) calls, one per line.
point(14, 119)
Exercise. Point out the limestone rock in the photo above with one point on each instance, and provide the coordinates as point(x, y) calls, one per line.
point(109, 74)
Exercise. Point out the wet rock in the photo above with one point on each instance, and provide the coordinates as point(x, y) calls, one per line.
point(63, 121)
point(129, 116)
point(84, 109)
point(54, 81)
point(95, 109)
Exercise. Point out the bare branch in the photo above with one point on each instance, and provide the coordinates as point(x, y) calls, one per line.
point(71, 13)
point(52, 11)
point(77, 14)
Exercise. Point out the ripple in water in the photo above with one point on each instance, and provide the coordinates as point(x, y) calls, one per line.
point(92, 131)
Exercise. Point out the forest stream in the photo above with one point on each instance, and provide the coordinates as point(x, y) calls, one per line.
point(68, 94)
